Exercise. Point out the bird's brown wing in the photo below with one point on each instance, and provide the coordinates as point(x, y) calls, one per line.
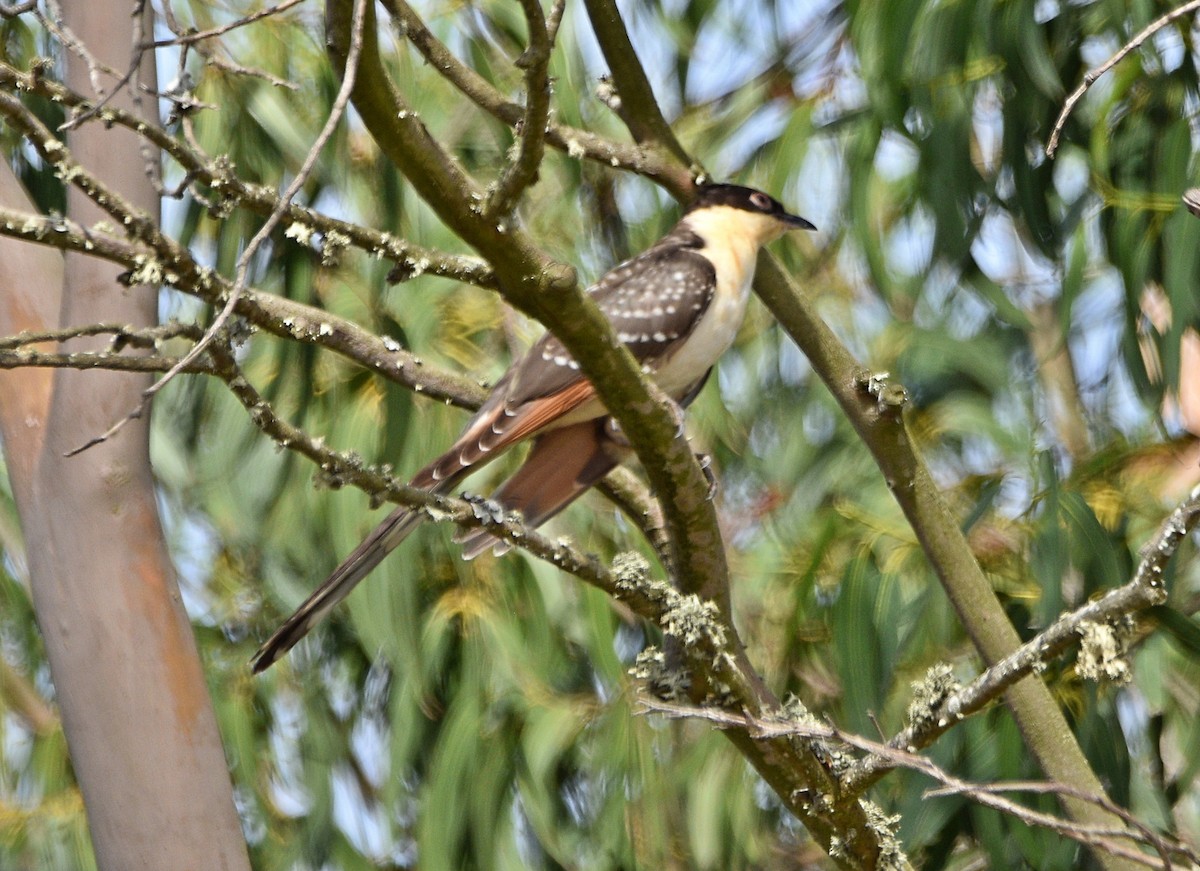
point(562, 464)
point(653, 302)
point(497, 427)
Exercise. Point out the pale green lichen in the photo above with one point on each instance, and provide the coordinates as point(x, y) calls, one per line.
point(630, 570)
point(929, 692)
point(333, 246)
point(660, 677)
point(694, 621)
point(891, 854)
point(1102, 652)
point(302, 233)
point(146, 270)
point(792, 710)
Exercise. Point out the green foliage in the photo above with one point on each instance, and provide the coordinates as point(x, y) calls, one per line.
point(479, 715)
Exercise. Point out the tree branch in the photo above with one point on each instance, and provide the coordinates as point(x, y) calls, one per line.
point(193, 36)
point(638, 108)
point(282, 317)
point(412, 260)
point(1143, 591)
point(12, 10)
point(875, 414)
point(1102, 837)
point(1090, 77)
point(647, 159)
point(522, 172)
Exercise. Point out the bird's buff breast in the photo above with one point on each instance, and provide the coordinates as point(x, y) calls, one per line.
point(709, 339)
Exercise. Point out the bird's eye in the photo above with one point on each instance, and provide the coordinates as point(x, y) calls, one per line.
point(762, 202)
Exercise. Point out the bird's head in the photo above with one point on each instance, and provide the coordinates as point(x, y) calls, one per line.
point(724, 209)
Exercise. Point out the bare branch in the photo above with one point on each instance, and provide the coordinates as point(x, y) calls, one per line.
point(1145, 589)
point(54, 151)
point(1165, 847)
point(123, 334)
point(522, 172)
point(12, 10)
point(413, 259)
point(55, 24)
point(25, 357)
point(1105, 837)
point(106, 94)
point(1091, 76)
point(193, 36)
point(243, 265)
point(644, 159)
point(282, 317)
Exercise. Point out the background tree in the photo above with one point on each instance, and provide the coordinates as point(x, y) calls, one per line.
point(1037, 312)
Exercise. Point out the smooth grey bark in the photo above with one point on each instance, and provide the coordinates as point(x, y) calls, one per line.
point(135, 708)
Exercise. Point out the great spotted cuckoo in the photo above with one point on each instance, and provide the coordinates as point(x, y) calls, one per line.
point(677, 306)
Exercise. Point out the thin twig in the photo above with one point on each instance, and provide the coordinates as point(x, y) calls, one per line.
point(243, 266)
point(26, 358)
point(222, 63)
point(55, 23)
point(1163, 846)
point(522, 172)
point(106, 95)
point(191, 39)
point(195, 36)
point(1091, 76)
point(275, 314)
point(122, 334)
point(12, 10)
point(413, 259)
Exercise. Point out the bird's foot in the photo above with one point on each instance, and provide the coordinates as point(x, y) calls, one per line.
point(705, 461)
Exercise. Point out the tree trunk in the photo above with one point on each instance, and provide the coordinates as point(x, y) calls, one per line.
point(127, 677)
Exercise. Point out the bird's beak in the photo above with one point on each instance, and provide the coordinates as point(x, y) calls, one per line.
point(795, 222)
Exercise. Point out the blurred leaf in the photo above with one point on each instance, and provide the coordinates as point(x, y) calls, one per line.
point(1184, 630)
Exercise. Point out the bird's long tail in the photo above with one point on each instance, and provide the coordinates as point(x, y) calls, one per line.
point(439, 477)
point(387, 535)
point(550, 480)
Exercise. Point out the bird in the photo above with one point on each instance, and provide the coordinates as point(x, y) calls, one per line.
point(677, 307)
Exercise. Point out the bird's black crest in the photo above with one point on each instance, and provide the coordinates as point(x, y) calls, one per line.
point(737, 197)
